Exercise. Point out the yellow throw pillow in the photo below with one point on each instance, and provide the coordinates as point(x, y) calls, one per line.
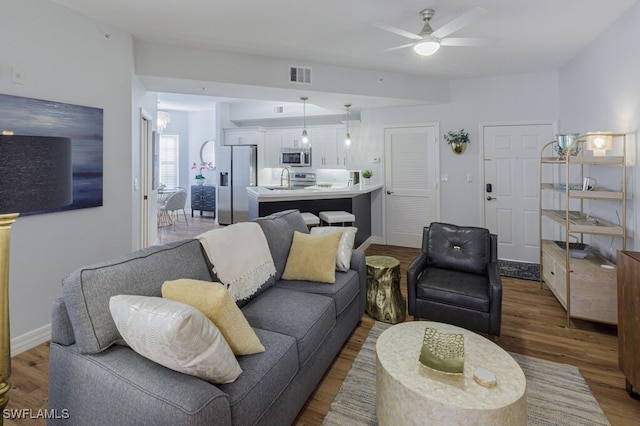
point(312, 257)
point(216, 303)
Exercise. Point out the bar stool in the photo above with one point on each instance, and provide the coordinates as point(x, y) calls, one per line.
point(310, 219)
point(331, 217)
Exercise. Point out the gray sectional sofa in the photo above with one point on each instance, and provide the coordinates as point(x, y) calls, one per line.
point(302, 325)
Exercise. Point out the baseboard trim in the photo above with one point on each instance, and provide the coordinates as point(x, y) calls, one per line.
point(30, 339)
point(371, 240)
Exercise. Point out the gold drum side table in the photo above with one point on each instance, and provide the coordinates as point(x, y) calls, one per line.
point(384, 300)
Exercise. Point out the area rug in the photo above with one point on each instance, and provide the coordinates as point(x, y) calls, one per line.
point(521, 270)
point(557, 394)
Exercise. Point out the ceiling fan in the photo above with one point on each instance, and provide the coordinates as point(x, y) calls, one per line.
point(428, 41)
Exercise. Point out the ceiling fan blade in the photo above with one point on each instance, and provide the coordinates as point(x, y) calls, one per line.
point(397, 31)
point(404, 46)
point(464, 41)
point(459, 22)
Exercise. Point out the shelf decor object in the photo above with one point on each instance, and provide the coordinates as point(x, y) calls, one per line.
point(583, 281)
point(567, 144)
point(442, 352)
point(599, 143)
point(36, 174)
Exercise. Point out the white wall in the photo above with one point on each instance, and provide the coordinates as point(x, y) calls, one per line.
point(511, 99)
point(600, 91)
point(66, 58)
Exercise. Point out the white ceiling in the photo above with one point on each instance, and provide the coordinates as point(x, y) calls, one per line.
point(526, 36)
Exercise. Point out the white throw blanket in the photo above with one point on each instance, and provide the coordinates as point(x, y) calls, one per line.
point(240, 256)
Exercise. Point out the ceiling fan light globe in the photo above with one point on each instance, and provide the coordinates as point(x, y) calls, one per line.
point(426, 47)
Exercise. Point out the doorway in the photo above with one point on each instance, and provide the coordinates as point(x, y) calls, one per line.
point(511, 169)
point(149, 209)
point(412, 196)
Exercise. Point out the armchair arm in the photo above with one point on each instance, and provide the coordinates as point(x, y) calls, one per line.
point(496, 297)
point(414, 271)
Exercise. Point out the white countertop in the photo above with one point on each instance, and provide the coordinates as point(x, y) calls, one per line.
point(264, 194)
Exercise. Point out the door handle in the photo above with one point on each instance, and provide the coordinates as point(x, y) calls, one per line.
point(389, 192)
point(490, 198)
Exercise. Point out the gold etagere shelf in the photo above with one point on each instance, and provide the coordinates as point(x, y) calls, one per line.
point(585, 285)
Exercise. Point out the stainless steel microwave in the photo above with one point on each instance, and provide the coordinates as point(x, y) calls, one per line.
point(295, 157)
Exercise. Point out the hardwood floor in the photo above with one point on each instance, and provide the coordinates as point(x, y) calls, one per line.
point(533, 323)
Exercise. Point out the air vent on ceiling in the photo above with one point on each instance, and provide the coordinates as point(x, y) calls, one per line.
point(300, 75)
point(278, 109)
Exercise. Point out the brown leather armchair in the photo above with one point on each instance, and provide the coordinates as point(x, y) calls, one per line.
point(455, 278)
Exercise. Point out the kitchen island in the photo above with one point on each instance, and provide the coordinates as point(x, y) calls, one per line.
point(354, 199)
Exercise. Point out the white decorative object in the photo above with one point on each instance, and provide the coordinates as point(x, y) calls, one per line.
point(485, 377)
point(343, 259)
point(175, 335)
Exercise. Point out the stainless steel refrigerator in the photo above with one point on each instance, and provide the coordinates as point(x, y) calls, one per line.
point(237, 169)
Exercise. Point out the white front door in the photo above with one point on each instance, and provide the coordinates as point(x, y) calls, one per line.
point(411, 170)
point(512, 187)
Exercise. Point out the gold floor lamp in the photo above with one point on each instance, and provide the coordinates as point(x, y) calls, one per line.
point(35, 174)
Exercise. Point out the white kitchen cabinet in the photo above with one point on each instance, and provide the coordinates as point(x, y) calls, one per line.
point(328, 148)
point(292, 138)
point(243, 136)
point(272, 145)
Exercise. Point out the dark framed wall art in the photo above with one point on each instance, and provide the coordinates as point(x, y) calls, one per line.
point(82, 124)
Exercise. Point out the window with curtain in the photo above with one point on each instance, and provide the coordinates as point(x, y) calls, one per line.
point(169, 156)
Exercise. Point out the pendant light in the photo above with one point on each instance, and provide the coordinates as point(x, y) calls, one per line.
point(347, 138)
point(305, 135)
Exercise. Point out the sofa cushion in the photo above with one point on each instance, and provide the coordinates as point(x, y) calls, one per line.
point(87, 290)
point(306, 316)
point(175, 335)
point(312, 257)
point(456, 288)
point(343, 257)
point(343, 291)
point(278, 228)
point(265, 376)
point(463, 248)
point(213, 300)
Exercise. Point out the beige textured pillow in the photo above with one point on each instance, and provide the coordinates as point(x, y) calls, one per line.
point(312, 257)
point(343, 259)
point(216, 303)
point(175, 335)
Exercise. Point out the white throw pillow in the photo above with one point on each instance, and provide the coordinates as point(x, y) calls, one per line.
point(343, 259)
point(175, 335)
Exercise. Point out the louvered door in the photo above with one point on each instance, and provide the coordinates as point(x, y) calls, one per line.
point(411, 170)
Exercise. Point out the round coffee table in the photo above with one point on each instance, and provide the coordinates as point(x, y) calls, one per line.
point(411, 394)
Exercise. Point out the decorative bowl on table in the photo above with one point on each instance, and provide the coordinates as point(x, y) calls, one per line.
point(442, 352)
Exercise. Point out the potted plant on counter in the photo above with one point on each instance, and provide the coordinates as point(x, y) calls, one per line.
point(457, 141)
point(366, 175)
